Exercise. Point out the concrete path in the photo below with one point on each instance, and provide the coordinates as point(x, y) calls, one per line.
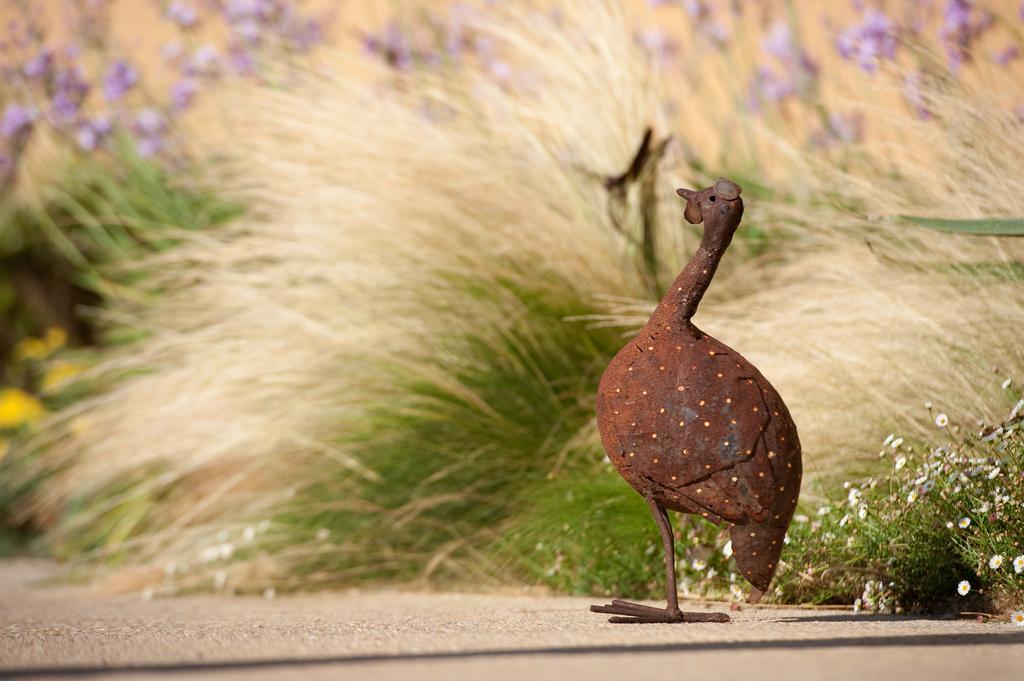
point(71, 632)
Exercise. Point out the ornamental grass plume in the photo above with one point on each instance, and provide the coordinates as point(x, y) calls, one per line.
point(400, 340)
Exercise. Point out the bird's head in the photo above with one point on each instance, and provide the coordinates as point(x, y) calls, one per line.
point(719, 207)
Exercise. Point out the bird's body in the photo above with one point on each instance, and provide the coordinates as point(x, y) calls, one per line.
point(694, 427)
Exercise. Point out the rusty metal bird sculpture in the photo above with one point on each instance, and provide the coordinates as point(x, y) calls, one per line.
point(695, 428)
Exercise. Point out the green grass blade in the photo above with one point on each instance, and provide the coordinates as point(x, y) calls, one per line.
point(983, 227)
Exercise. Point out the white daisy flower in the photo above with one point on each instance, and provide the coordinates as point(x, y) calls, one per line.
point(949, 525)
point(900, 462)
point(727, 549)
point(736, 591)
point(928, 486)
point(845, 519)
point(964, 523)
point(1006, 384)
point(963, 588)
point(941, 420)
point(698, 564)
point(912, 497)
point(888, 439)
point(994, 473)
point(1018, 564)
point(996, 561)
point(928, 405)
point(862, 512)
point(853, 497)
point(895, 444)
point(1018, 618)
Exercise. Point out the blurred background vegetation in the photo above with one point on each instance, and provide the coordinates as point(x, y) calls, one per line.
point(295, 295)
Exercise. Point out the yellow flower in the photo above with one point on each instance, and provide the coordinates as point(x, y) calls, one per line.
point(58, 375)
point(31, 348)
point(17, 408)
point(55, 338)
point(41, 348)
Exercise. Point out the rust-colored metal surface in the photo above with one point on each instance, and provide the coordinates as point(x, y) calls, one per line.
point(694, 427)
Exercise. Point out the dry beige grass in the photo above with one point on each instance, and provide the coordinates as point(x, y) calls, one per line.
point(276, 330)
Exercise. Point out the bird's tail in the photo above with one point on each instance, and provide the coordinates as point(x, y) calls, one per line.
point(757, 547)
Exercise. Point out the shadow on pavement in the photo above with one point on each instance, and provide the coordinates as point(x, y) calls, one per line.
point(697, 646)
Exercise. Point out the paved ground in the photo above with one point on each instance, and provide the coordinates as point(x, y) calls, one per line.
point(71, 632)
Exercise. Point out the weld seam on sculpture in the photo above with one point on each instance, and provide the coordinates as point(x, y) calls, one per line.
point(694, 427)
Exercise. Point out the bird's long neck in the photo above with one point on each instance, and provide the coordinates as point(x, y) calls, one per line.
point(681, 301)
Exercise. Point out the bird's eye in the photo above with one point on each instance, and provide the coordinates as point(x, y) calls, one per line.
point(711, 198)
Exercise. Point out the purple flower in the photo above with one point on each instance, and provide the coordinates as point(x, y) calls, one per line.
point(87, 137)
point(183, 14)
point(149, 127)
point(149, 146)
point(204, 62)
point(70, 90)
point(248, 30)
point(962, 24)
point(241, 60)
point(1006, 55)
point(17, 121)
point(40, 66)
point(869, 41)
point(149, 121)
point(842, 128)
point(779, 42)
point(305, 33)
point(183, 92)
point(768, 86)
point(912, 93)
point(172, 51)
point(658, 43)
point(391, 45)
point(238, 10)
point(119, 80)
point(796, 75)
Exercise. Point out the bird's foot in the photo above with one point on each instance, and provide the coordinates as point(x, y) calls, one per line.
point(635, 613)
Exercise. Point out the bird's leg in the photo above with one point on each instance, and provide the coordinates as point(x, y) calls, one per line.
point(635, 613)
